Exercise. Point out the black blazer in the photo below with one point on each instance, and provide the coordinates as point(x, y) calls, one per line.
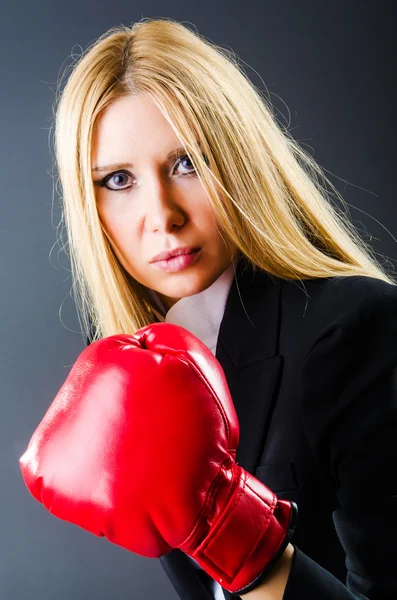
point(312, 370)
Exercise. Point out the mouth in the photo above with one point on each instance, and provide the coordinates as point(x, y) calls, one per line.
point(179, 262)
point(176, 252)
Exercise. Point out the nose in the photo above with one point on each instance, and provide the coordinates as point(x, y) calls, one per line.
point(163, 210)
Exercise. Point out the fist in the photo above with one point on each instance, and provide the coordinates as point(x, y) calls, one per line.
point(139, 446)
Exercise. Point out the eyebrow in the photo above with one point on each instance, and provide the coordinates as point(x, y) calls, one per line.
point(173, 154)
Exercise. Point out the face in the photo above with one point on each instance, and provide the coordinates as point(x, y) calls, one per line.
point(150, 201)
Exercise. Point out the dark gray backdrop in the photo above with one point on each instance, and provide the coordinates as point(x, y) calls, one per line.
point(329, 67)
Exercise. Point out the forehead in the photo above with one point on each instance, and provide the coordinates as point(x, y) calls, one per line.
point(131, 125)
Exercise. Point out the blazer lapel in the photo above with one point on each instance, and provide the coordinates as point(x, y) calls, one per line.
point(248, 352)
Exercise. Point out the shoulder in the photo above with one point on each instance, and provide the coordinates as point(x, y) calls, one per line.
point(354, 291)
point(350, 303)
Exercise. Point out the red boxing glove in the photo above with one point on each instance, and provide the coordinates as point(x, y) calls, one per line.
point(139, 446)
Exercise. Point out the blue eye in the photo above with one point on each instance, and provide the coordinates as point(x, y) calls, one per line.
point(116, 178)
point(117, 174)
point(182, 159)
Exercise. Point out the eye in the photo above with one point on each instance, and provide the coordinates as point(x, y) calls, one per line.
point(116, 177)
point(119, 176)
point(183, 159)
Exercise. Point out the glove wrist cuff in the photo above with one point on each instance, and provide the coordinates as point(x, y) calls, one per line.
point(245, 543)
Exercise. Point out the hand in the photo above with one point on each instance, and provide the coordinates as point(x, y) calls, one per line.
point(139, 446)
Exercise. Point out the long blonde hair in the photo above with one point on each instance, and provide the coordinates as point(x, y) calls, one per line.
point(274, 203)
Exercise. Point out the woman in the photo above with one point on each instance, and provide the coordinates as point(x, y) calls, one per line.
point(163, 143)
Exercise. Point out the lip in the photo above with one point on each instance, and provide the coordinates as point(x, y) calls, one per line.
point(174, 252)
point(180, 262)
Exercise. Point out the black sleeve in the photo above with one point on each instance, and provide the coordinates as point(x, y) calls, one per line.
point(349, 407)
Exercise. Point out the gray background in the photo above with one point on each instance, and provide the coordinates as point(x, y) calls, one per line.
point(329, 67)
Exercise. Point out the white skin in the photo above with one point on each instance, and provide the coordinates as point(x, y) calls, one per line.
point(154, 204)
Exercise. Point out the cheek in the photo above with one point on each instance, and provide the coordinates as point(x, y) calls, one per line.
point(114, 220)
point(202, 211)
point(210, 221)
point(119, 233)
point(122, 246)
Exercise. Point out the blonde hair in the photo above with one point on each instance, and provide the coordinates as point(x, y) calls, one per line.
point(273, 205)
